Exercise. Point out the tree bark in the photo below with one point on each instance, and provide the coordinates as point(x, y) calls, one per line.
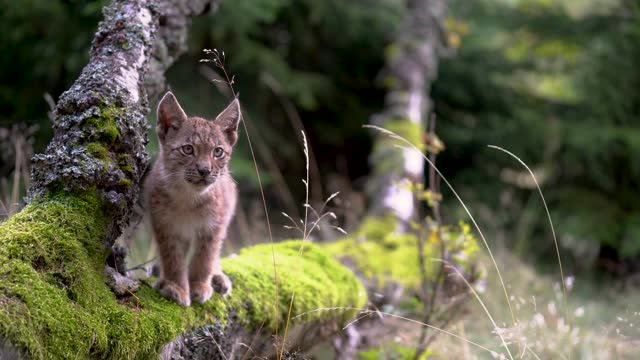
point(412, 66)
point(100, 122)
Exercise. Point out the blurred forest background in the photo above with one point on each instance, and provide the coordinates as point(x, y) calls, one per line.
point(556, 82)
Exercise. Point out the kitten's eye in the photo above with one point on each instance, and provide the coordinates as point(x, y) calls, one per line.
point(187, 149)
point(218, 152)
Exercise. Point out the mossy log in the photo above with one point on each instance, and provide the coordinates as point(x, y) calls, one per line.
point(54, 302)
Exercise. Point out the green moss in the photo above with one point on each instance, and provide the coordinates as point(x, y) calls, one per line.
point(49, 256)
point(124, 163)
point(389, 82)
point(382, 254)
point(316, 278)
point(388, 158)
point(125, 183)
point(392, 351)
point(97, 150)
point(391, 52)
point(106, 125)
point(54, 303)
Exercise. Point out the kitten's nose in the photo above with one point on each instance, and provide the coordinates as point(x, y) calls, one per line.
point(203, 171)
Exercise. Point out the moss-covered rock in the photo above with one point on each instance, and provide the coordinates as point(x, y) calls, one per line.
point(54, 302)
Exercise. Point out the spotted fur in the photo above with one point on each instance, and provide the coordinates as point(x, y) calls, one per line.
point(190, 199)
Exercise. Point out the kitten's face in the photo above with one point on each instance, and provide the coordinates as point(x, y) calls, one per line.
point(196, 150)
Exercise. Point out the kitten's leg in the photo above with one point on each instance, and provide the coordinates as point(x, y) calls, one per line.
point(221, 282)
point(205, 268)
point(173, 282)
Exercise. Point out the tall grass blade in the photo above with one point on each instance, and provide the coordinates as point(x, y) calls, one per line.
point(546, 208)
point(455, 193)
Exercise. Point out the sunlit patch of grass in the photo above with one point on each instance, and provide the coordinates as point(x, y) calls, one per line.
point(601, 322)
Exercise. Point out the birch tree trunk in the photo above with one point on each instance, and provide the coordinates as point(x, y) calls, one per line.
point(412, 66)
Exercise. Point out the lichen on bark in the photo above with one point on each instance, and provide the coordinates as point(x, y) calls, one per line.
point(100, 121)
point(101, 118)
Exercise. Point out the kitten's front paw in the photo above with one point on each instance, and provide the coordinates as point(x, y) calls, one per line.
point(172, 291)
point(222, 284)
point(201, 292)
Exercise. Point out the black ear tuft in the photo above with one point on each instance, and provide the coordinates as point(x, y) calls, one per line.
point(170, 115)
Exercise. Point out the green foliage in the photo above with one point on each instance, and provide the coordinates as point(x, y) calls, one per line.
point(254, 36)
point(382, 254)
point(322, 57)
point(54, 303)
point(556, 84)
point(45, 45)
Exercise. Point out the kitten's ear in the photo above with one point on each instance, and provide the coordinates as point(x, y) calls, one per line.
point(229, 119)
point(170, 115)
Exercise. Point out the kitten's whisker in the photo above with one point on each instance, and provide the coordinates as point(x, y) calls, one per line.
point(169, 175)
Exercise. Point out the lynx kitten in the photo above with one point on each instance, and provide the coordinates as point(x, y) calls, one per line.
point(190, 198)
